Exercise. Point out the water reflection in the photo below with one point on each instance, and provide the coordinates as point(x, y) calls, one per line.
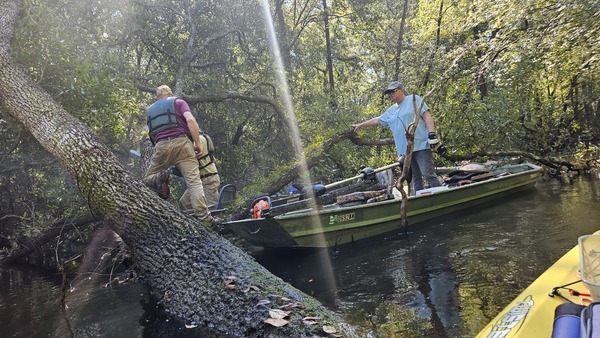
point(29, 301)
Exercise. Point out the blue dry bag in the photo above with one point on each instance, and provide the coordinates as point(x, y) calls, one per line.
point(567, 321)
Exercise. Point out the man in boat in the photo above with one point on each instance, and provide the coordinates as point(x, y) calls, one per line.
point(171, 127)
point(398, 117)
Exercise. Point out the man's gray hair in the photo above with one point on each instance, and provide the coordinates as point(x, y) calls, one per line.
point(163, 90)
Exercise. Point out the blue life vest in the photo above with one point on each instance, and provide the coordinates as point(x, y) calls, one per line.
point(162, 116)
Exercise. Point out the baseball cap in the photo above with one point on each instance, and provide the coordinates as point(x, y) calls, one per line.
point(393, 86)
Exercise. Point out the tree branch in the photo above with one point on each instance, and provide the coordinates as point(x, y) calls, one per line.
point(62, 226)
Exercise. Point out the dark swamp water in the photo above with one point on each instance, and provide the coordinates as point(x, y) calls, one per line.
point(446, 278)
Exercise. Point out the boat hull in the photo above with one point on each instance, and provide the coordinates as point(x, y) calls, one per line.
point(332, 226)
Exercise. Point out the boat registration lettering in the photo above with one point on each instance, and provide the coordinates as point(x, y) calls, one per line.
point(512, 318)
point(341, 218)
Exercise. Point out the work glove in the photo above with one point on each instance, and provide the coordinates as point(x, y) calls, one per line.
point(433, 141)
point(435, 144)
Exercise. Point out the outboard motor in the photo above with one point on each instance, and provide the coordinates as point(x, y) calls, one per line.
point(261, 207)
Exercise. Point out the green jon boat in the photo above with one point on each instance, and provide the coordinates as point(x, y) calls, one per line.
point(332, 224)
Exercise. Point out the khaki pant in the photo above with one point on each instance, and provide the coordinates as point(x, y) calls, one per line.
point(180, 153)
point(211, 191)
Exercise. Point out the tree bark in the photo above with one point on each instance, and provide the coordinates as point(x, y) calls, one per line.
point(427, 76)
point(399, 41)
point(200, 278)
point(328, 53)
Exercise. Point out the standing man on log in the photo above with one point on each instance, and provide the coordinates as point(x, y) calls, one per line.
point(171, 127)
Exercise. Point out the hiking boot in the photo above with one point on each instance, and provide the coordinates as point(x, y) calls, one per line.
point(163, 184)
point(210, 220)
point(216, 221)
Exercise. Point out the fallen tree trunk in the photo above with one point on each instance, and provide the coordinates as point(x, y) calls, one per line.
point(282, 179)
point(551, 162)
point(201, 279)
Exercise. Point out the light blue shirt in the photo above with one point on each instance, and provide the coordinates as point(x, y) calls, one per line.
point(399, 117)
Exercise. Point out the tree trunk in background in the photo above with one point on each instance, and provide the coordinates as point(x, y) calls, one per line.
point(438, 30)
point(328, 56)
point(282, 34)
point(399, 42)
point(198, 276)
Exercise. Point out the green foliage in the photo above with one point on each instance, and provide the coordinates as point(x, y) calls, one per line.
point(586, 156)
point(69, 51)
point(34, 190)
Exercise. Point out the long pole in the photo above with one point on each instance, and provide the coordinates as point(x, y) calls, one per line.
point(335, 184)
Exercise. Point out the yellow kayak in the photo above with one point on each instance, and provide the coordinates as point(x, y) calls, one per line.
point(531, 314)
